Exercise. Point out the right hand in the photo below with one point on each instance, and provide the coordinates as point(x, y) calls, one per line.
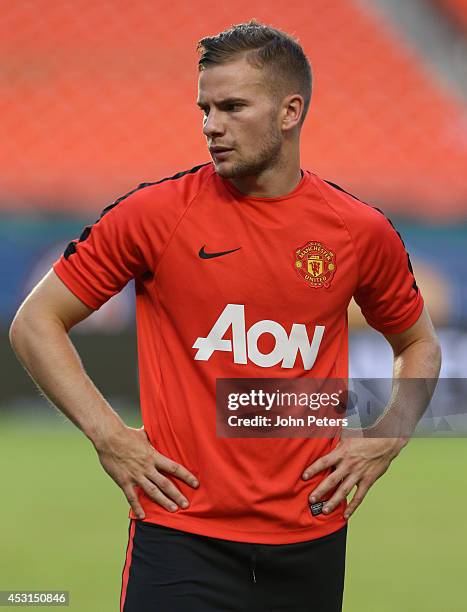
point(129, 459)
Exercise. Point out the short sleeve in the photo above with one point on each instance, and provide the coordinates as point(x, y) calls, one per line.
point(108, 253)
point(387, 292)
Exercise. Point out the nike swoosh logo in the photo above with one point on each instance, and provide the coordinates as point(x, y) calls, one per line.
point(202, 253)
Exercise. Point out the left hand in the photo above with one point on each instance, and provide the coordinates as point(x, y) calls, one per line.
point(356, 462)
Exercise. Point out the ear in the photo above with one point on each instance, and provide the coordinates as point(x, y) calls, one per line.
point(292, 111)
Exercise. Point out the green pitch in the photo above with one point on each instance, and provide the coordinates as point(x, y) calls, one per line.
point(64, 524)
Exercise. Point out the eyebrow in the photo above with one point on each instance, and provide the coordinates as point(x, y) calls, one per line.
point(224, 102)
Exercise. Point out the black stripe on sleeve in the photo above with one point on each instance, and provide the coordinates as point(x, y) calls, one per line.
point(409, 263)
point(71, 247)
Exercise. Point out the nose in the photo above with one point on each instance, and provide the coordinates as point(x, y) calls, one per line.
point(213, 125)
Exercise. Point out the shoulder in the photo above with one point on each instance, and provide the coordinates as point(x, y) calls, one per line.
point(186, 183)
point(358, 216)
point(172, 193)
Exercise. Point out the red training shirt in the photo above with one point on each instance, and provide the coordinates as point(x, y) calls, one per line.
point(250, 489)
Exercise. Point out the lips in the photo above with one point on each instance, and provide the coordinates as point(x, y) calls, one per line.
point(220, 152)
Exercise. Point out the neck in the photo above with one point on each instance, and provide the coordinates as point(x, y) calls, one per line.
point(273, 182)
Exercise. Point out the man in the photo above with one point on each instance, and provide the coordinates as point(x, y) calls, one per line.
point(243, 268)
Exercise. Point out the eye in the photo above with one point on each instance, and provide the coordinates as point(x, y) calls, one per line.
point(233, 107)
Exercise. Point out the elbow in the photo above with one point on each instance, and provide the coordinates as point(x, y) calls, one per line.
point(15, 329)
point(18, 328)
point(437, 352)
point(432, 354)
point(28, 322)
point(435, 346)
point(31, 330)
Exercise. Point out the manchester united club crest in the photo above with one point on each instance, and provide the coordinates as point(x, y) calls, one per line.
point(315, 263)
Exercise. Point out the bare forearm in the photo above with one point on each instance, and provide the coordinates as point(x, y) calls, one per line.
point(421, 359)
point(415, 374)
point(44, 348)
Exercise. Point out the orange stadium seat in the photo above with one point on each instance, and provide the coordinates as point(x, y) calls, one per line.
point(457, 9)
point(98, 97)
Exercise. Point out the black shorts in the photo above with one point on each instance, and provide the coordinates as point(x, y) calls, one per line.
point(168, 570)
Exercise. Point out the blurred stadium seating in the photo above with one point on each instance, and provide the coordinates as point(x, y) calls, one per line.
point(457, 9)
point(97, 97)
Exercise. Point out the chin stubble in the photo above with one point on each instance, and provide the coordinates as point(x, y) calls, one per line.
point(267, 157)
